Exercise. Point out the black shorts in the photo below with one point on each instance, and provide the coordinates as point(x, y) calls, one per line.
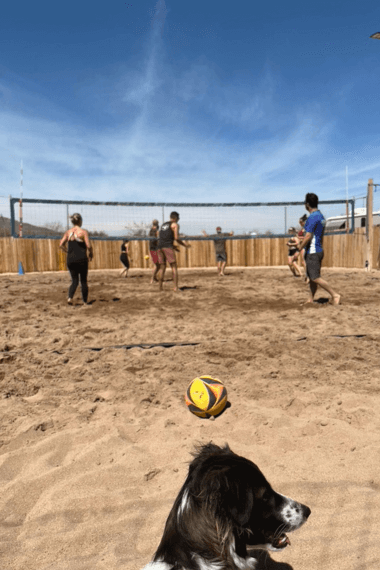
point(124, 260)
point(313, 265)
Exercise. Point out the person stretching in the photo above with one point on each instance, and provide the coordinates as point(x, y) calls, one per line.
point(220, 248)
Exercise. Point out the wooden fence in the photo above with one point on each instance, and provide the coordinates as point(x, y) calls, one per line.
point(346, 250)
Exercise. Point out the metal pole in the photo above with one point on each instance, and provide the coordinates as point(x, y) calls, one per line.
point(20, 203)
point(286, 221)
point(347, 223)
point(369, 224)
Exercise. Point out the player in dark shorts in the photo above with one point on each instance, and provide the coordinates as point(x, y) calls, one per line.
point(124, 257)
point(301, 234)
point(79, 253)
point(220, 248)
point(312, 242)
point(153, 249)
point(168, 234)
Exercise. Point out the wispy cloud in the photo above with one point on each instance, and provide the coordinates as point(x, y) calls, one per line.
point(188, 135)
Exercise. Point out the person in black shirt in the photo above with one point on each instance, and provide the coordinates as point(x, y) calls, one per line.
point(79, 253)
point(168, 234)
point(124, 257)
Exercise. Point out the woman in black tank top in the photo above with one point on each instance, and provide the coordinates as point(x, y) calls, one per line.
point(79, 253)
point(124, 257)
point(153, 249)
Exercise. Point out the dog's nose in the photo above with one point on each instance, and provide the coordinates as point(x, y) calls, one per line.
point(306, 511)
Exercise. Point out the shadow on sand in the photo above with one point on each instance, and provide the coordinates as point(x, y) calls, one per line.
point(265, 562)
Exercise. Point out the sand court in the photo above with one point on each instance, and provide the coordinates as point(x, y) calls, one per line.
point(96, 438)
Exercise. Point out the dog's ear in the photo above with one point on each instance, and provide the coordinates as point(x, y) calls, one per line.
point(239, 503)
point(227, 492)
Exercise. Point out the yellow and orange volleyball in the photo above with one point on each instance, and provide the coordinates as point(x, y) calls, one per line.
point(206, 396)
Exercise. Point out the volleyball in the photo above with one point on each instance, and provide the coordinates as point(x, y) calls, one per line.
point(146, 256)
point(206, 396)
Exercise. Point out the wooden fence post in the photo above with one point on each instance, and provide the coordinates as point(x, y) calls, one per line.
point(369, 233)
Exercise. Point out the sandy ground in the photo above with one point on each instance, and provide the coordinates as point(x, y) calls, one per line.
point(95, 439)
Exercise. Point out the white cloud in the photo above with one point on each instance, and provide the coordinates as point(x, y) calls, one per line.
point(189, 135)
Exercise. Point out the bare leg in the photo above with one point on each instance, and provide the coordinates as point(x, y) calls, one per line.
point(175, 275)
point(313, 289)
point(156, 269)
point(291, 267)
point(297, 268)
point(161, 275)
point(303, 262)
point(307, 280)
point(322, 283)
point(219, 268)
point(222, 267)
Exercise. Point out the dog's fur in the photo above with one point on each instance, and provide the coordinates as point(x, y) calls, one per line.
point(225, 505)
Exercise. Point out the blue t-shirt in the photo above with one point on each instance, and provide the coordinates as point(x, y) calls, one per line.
point(315, 224)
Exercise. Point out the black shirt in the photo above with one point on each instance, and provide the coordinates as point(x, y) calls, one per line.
point(76, 251)
point(166, 236)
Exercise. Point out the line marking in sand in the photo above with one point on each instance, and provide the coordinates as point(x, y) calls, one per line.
point(143, 345)
point(338, 336)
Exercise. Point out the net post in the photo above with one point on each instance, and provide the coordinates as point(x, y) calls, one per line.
point(20, 203)
point(20, 218)
point(347, 222)
point(369, 232)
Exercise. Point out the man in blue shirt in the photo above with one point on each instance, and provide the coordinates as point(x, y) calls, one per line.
point(313, 244)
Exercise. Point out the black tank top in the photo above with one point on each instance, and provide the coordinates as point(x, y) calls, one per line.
point(153, 243)
point(76, 251)
point(166, 236)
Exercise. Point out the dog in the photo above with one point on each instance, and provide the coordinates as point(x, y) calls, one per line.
point(225, 505)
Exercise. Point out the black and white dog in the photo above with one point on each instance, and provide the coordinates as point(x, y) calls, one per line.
point(225, 505)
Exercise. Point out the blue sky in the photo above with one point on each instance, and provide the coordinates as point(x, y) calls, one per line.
point(203, 101)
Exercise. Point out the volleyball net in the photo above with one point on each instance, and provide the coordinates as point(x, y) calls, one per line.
point(49, 219)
